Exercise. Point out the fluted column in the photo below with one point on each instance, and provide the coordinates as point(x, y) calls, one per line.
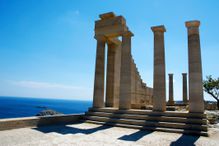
point(125, 74)
point(184, 85)
point(110, 80)
point(159, 84)
point(171, 100)
point(117, 75)
point(98, 97)
point(196, 101)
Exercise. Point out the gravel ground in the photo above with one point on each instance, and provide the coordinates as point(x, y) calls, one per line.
point(84, 134)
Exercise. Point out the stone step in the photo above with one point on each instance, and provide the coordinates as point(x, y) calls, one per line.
point(150, 118)
point(151, 113)
point(172, 130)
point(153, 124)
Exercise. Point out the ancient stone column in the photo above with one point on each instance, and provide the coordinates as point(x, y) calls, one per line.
point(184, 84)
point(110, 80)
point(117, 75)
point(196, 101)
point(125, 74)
point(98, 97)
point(159, 84)
point(171, 101)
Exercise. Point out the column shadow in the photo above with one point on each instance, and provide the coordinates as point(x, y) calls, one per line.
point(64, 129)
point(135, 136)
point(185, 140)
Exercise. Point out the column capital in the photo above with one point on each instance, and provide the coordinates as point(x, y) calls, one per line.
point(184, 74)
point(160, 28)
point(193, 23)
point(114, 41)
point(100, 37)
point(128, 33)
point(170, 74)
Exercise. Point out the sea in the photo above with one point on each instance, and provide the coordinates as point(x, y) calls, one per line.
point(14, 107)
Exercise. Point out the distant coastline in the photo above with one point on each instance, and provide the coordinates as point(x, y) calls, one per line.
point(13, 107)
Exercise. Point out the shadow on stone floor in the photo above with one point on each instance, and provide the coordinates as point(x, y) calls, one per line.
point(185, 140)
point(64, 129)
point(135, 136)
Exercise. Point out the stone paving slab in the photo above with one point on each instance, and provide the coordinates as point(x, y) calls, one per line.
point(85, 134)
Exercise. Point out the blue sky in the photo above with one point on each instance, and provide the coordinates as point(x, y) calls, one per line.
point(47, 47)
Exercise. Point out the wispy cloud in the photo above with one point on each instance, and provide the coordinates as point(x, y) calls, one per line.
point(30, 88)
point(70, 17)
point(76, 12)
point(44, 85)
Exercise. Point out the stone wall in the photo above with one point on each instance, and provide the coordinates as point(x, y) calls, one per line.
point(141, 94)
point(13, 123)
point(210, 105)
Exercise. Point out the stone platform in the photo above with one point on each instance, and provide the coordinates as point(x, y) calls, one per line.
point(84, 134)
point(169, 121)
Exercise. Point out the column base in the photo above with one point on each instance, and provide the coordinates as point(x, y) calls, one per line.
point(170, 103)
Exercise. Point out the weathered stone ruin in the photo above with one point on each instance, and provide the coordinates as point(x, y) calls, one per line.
point(120, 102)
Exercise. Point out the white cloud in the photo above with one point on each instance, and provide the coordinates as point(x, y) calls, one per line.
point(28, 88)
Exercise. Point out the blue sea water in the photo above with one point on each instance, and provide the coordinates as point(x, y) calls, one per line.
point(12, 107)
